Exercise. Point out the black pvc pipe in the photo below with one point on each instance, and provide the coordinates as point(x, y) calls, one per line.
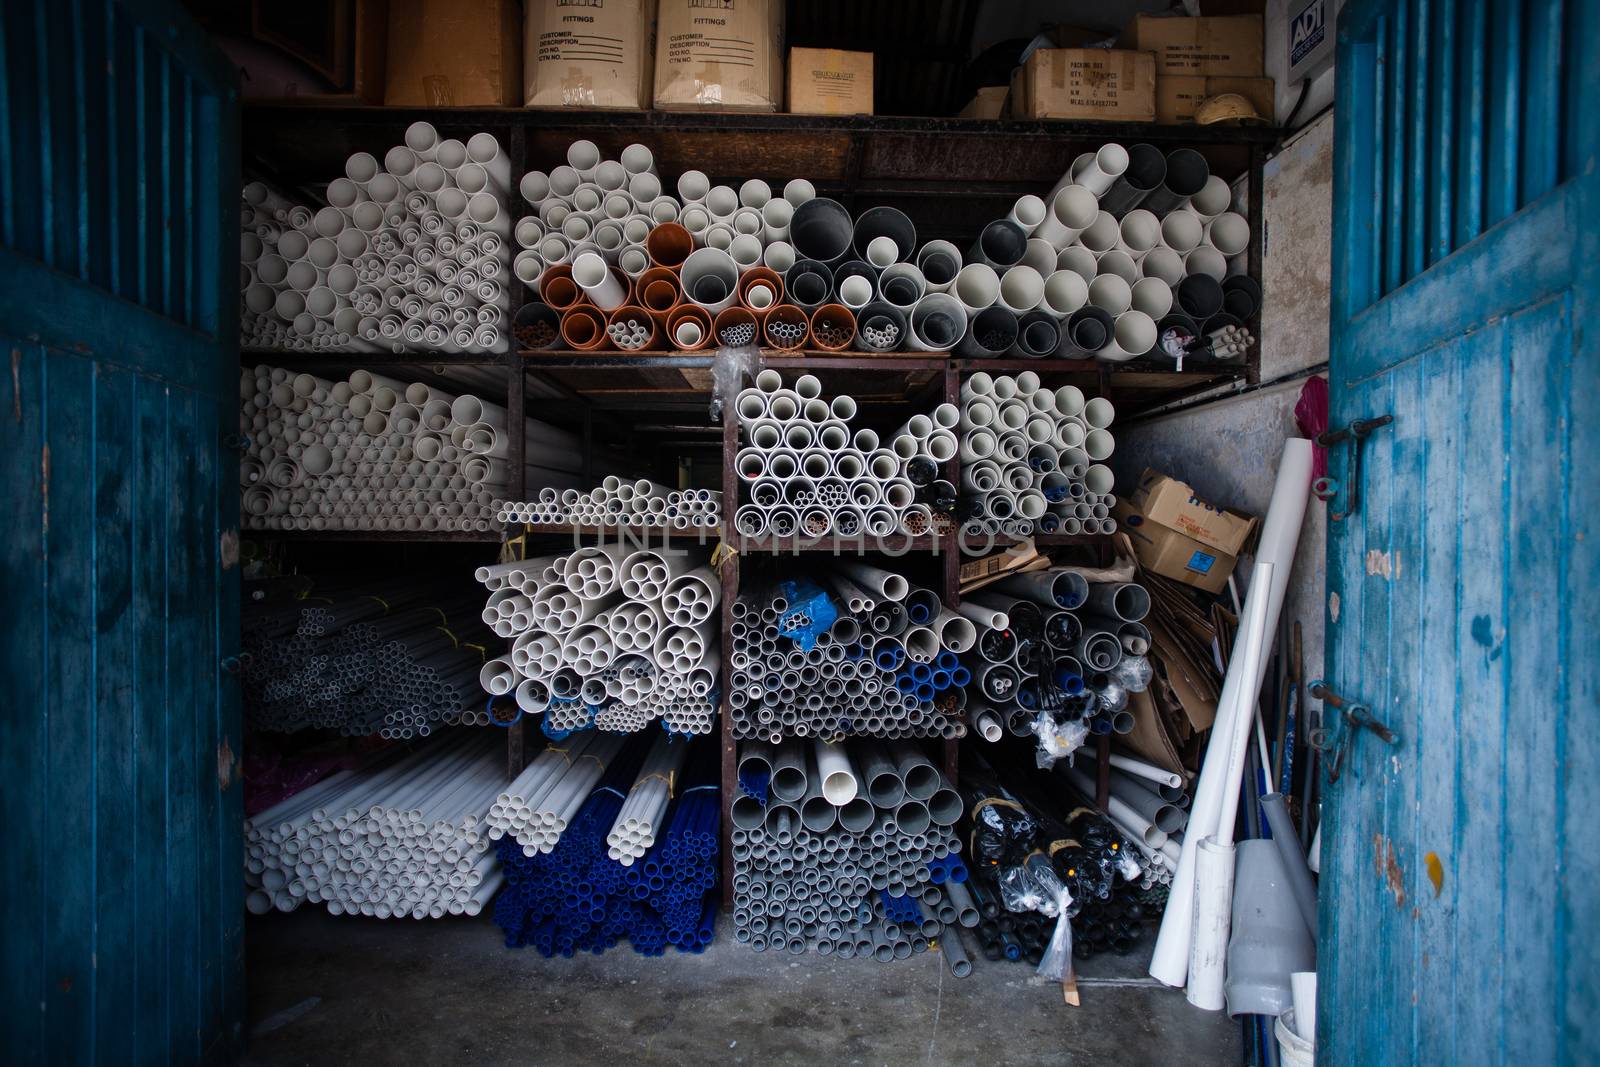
point(1038, 335)
point(809, 283)
point(1001, 244)
point(990, 334)
point(1241, 296)
point(1199, 296)
point(1089, 329)
point(1187, 174)
point(1147, 170)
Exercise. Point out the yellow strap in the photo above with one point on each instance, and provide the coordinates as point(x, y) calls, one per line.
point(380, 600)
point(483, 653)
point(722, 553)
point(519, 543)
point(658, 776)
point(444, 620)
point(999, 802)
point(446, 631)
point(1065, 842)
point(563, 753)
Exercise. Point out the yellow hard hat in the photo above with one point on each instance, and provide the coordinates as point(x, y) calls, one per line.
point(1226, 107)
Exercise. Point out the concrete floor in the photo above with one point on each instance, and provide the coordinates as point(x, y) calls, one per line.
point(343, 990)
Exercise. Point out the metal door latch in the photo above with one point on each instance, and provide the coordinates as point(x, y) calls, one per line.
point(1357, 717)
point(1326, 489)
point(236, 664)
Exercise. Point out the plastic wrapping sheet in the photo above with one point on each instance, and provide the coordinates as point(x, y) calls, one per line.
point(810, 612)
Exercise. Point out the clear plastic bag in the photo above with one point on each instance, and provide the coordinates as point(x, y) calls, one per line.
point(1056, 964)
point(1057, 739)
point(1018, 891)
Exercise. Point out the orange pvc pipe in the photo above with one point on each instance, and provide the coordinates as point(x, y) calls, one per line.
point(833, 317)
point(584, 328)
point(669, 245)
point(557, 288)
point(761, 276)
point(787, 313)
point(659, 291)
point(639, 315)
point(736, 316)
point(685, 313)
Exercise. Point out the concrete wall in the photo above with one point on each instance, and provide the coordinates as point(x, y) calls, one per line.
point(1228, 448)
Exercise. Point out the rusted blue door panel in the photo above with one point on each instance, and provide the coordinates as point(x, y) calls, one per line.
point(1461, 890)
point(119, 728)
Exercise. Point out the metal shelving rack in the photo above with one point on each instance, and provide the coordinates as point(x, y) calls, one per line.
point(937, 167)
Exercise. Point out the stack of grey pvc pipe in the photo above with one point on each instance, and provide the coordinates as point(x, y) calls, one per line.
point(1054, 649)
point(607, 637)
point(1031, 457)
point(634, 831)
point(841, 828)
point(616, 502)
point(808, 475)
point(361, 663)
point(402, 836)
point(1103, 264)
point(537, 806)
point(1149, 804)
point(886, 666)
point(374, 453)
point(410, 254)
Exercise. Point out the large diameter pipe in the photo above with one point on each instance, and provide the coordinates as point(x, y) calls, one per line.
point(710, 279)
point(821, 230)
point(1213, 914)
point(1186, 176)
point(1279, 537)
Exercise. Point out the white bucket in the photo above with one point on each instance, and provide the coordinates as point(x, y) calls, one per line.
point(1293, 1050)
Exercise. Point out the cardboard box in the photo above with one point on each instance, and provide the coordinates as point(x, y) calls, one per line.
point(826, 81)
point(1085, 83)
point(454, 53)
point(357, 42)
point(1222, 45)
point(989, 103)
point(1176, 534)
point(579, 53)
point(719, 55)
point(1178, 95)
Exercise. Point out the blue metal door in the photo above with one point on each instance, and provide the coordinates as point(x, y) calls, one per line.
point(120, 906)
point(1461, 897)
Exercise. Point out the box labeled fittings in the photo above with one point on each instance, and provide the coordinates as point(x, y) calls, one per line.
point(1178, 95)
point(1085, 83)
point(589, 53)
point(454, 53)
point(1209, 46)
point(1180, 536)
point(719, 55)
point(826, 81)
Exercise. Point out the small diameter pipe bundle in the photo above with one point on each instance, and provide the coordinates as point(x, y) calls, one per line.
point(863, 653)
point(575, 898)
point(401, 836)
point(409, 254)
point(373, 453)
point(1063, 664)
point(634, 832)
point(366, 657)
point(808, 475)
point(616, 502)
point(535, 809)
point(872, 877)
point(1032, 458)
point(608, 638)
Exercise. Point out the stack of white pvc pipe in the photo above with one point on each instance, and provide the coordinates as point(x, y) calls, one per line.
point(408, 254)
point(838, 829)
point(539, 803)
point(1096, 267)
point(592, 204)
point(617, 502)
point(607, 637)
point(1031, 457)
point(373, 453)
point(402, 836)
point(634, 831)
point(808, 475)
